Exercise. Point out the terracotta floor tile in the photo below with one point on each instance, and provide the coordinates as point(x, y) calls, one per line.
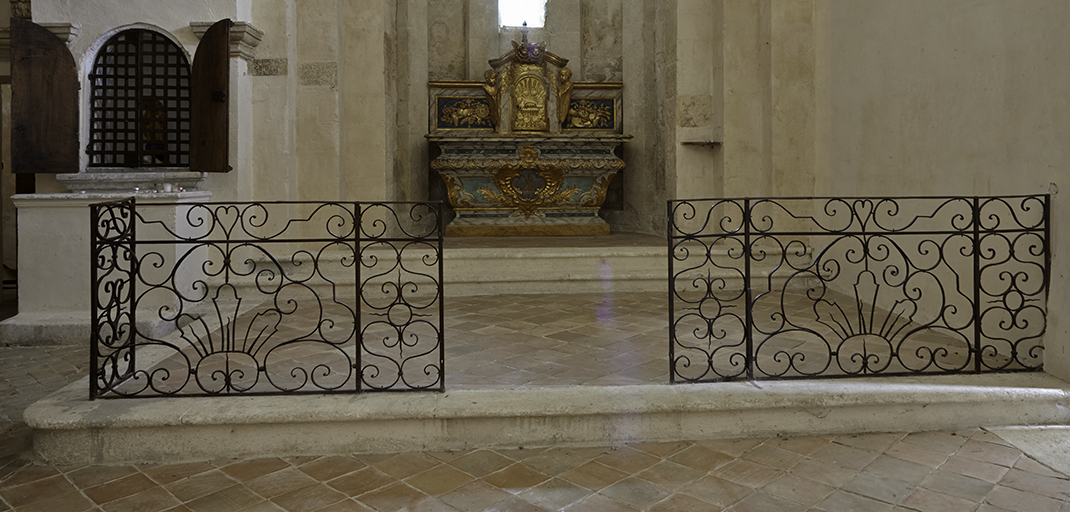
point(393, 498)
point(264, 506)
point(840, 501)
point(628, 460)
point(594, 476)
point(555, 494)
point(798, 490)
point(747, 473)
point(556, 461)
point(763, 502)
point(661, 449)
point(28, 474)
point(235, 497)
point(448, 455)
point(899, 469)
point(684, 503)
point(772, 456)
point(475, 496)
point(600, 503)
point(309, 498)
point(804, 445)
point(990, 452)
point(845, 456)
point(941, 441)
point(670, 475)
point(514, 479)
point(958, 486)
point(990, 508)
point(701, 458)
point(153, 499)
point(249, 469)
point(404, 465)
point(96, 475)
point(871, 442)
point(716, 490)
point(121, 488)
point(636, 492)
point(1031, 466)
point(353, 506)
point(167, 473)
point(879, 487)
point(931, 501)
point(481, 463)
point(279, 482)
point(823, 472)
point(201, 485)
point(511, 505)
point(1019, 501)
point(37, 490)
point(1056, 488)
point(439, 480)
point(333, 466)
point(69, 502)
point(975, 468)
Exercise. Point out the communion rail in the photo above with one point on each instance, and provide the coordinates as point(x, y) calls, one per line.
point(776, 288)
point(265, 298)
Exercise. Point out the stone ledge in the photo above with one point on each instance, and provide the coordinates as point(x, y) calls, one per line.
point(69, 429)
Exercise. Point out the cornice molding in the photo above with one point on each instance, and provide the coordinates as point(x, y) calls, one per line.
point(244, 37)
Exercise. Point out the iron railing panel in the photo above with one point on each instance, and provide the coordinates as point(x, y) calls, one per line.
point(770, 288)
point(266, 298)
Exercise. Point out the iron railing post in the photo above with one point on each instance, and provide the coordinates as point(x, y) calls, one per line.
point(94, 299)
point(672, 290)
point(977, 284)
point(748, 331)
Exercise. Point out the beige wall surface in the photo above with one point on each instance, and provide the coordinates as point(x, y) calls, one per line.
point(955, 98)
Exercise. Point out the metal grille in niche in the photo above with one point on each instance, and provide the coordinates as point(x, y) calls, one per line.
point(140, 102)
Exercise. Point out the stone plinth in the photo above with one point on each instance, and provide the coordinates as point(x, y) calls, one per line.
point(54, 277)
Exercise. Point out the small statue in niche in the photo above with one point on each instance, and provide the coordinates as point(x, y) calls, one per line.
point(564, 95)
point(493, 95)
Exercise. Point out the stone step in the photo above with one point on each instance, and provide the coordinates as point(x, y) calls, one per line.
point(70, 429)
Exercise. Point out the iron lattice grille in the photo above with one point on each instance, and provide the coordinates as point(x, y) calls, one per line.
point(265, 298)
point(771, 288)
point(140, 102)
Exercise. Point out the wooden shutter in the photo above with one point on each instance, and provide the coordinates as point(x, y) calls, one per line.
point(44, 101)
point(209, 100)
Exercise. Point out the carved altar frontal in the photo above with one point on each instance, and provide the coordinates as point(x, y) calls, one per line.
point(527, 151)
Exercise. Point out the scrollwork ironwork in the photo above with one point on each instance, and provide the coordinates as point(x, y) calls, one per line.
point(266, 298)
point(818, 287)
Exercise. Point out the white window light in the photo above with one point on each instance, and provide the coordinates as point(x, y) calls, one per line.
point(513, 13)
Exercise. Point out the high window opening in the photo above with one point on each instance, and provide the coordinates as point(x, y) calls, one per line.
point(514, 13)
point(140, 102)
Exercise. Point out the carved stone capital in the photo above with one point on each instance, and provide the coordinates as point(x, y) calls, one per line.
point(244, 37)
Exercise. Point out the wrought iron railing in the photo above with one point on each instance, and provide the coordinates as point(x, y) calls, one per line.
point(265, 298)
point(769, 288)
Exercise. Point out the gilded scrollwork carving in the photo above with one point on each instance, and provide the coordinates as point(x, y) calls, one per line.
point(467, 113)
point(529, 184)
point(458, 196)
point(587, 114)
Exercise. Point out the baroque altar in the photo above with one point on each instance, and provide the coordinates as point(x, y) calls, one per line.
point(527, 151)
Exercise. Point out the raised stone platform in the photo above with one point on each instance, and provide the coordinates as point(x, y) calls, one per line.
point(69, 429)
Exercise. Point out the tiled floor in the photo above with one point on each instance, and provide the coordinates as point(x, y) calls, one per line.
point(937, 471)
